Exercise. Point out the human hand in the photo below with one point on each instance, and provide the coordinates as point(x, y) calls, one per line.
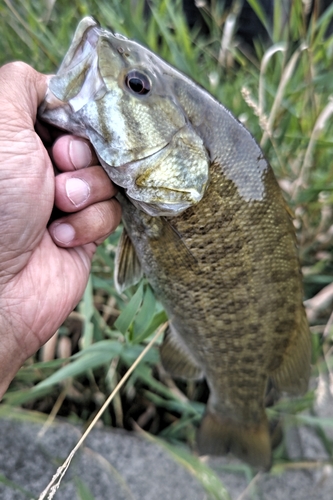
point(43, 271)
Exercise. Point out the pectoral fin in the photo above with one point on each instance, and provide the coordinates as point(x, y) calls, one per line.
point(127, 270)
point(176, 359)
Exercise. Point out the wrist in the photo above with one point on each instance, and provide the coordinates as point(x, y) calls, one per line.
point(11, 357)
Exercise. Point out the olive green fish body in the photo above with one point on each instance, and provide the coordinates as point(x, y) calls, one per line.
point(204, 220)
point(233, 295)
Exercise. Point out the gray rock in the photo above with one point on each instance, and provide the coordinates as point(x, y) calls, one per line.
point(113, 465)
point(118, 465)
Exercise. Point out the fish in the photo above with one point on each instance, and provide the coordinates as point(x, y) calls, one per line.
point(204, 221)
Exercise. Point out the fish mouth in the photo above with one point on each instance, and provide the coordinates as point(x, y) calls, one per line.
point(87, 31)
point(78, 79)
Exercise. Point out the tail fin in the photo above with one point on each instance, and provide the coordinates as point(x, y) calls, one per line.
point(249, 442)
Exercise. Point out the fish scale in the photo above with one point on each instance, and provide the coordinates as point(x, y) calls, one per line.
point(204, 221)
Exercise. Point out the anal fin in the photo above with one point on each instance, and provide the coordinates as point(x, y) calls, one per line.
point(127, 270)
point(249, 442)
point(176, 359)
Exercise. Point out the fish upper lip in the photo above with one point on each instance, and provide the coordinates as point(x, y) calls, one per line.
point(83, 49)
point(92, 36)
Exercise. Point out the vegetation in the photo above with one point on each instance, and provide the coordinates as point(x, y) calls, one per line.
point(282, 91)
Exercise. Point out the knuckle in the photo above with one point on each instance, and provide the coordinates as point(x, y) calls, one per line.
point(107, 216)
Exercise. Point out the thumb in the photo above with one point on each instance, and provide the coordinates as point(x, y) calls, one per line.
point(26, 173)
point(22, 89)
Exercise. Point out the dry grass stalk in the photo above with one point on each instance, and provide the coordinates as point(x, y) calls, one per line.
point(54, 484)
point(308, 157)
point(286, 75)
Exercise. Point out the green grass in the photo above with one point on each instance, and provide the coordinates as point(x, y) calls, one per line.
point(282, 93)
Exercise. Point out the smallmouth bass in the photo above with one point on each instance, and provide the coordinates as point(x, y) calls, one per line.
point(204, 220)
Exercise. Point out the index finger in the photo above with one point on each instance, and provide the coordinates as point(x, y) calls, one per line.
point(73, 153)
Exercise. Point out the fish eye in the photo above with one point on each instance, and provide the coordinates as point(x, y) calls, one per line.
point(138, 82)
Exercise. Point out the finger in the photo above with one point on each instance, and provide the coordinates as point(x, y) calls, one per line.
point(73, 153)
point(92, 224)
point(76, 190)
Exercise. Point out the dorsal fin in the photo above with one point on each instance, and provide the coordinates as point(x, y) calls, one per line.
point(292, 376)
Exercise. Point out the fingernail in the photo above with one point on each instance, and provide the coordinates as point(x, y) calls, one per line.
point(64, 233)
point(77, 190)
point(80, 154)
